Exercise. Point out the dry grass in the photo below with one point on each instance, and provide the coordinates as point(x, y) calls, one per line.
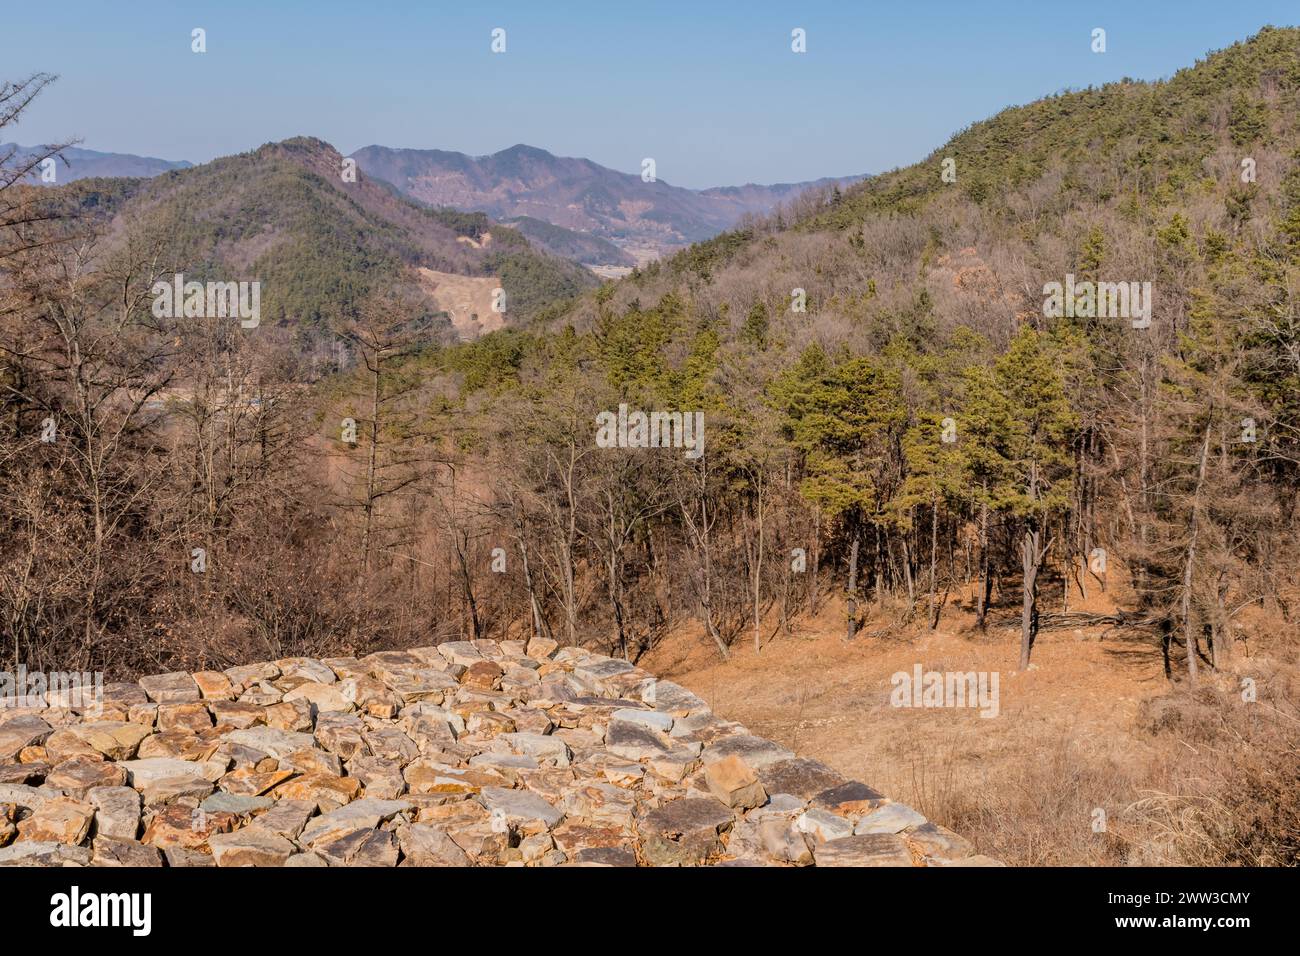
point(1093, 727)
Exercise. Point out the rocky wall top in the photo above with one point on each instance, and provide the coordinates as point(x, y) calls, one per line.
point(467, 753)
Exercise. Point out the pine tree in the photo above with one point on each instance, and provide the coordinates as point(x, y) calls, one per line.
point(1036, 466)
point(843, 422)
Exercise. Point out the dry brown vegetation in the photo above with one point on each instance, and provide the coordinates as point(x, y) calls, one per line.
point(1201, 778)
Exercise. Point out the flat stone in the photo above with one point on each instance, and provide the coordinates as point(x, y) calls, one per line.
point(484, 674)
point(755, 751)
point(786, 803)
point(600, 803)
point(870, 849)
point(891, 818)
point(237, 714)
point(176, 687)
point(852, 799)
point(428, 776)
point(380, 778)
point(186, 827)
point(117, 812)
point(520, 807)
point(939, 842)
point(541, 648)
point(192, 717)
point(329, 698)
point(312, 761)
point(307, 669)
point(365, 813)
point(601, 669)
point(114, 739)
point(269, 740)
point(684, 832)
point(800, 776)
point(189, 790)
point(360, 847)
point(214, 685)
point(294, 715)
point(287, 817)
point(251, 846)
point(172, 744)
point(489, 723)
point(78, 775)
point(61, 820)
point(44, 853)
point(341, 734)
point(636, 741)
point(544, 747)
point(422, 685)
point(733, 782)
point(425, 845)
point(673, 699)
point(179, 856)
point(654, 719)
point(676, 764)
point(113, 851)
point(124, 693)
point(27, 774)
point(463, 653)
point(239, 805)
point(248, 782)
point(823, 826)
point(784, 843)
point(506, 763)
point(392, 745)
point(245, 675)
point(622, 772)
point(22, 795)
point(143, 773)
point(605, 856)
point(325, 791)
point(19, 732)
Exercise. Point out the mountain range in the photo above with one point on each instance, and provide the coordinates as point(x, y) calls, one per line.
point(77, 163)
point(645, 219)
point(319, 244)
point(572, 208)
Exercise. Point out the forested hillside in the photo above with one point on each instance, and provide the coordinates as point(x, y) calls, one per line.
point(319, 244)
point(1079, 447)
point(891, 413)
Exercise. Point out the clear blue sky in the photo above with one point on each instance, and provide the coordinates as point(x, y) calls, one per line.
point(708, 88)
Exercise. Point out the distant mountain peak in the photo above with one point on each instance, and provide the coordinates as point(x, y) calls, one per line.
point(523, 149)
point(78, 163)
point(645, 220)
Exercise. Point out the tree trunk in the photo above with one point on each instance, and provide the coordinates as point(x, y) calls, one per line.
point(467, 585)
point(934, 560)
point(758, 569)
point(539, 626)
point(814, 584)
point(982, 592)
point(1031, 559)
point(367, 532)
point(1189, 562)
point(853, 586)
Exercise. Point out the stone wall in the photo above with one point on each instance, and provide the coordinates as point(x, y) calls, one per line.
point(468, 753)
